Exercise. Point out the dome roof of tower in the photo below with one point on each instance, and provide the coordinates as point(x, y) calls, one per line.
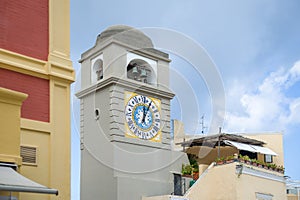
point(127, 35)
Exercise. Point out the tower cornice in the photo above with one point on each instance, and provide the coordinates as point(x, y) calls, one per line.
point(127, 84)
point(148, 52)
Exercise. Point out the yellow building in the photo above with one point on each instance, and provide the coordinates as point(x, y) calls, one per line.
point(35, 77)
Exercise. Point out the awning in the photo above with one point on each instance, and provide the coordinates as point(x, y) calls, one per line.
point(264, 150)
point(251, 148)
point(10, 180)
point(218, 139)
point(240, 146)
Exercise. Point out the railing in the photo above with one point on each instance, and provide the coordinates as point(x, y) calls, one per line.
point(272, 167)
point(258, 172)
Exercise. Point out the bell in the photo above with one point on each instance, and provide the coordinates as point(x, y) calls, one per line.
point(99, 74)
point(143, 73)
point(135, 71)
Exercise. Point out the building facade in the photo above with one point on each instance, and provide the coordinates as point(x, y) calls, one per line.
point(248, 176)
point(234, 166)
point(35, 77)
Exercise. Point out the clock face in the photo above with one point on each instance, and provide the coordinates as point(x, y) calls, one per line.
point(142, 115)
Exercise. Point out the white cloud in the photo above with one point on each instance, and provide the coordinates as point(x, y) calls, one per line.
point(268, 108)
point(295, 73)
point(294, 116)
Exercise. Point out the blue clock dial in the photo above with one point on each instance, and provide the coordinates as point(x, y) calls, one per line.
point(142, 117)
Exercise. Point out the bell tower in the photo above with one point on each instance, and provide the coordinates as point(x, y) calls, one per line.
point(125, 118)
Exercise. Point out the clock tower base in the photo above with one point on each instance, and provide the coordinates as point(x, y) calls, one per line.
point(99, 181)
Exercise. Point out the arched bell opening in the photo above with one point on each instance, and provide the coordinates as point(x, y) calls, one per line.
point(140, 70)
point(97, 70)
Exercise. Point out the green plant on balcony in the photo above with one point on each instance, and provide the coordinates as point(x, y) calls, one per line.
point(266, 165)
point(254, 162)
point(280, 168)
point(186, 169)
point(273, 166)
point(229, 159)
point(195, 173)
point(220, 160)
point(193, 162)
point(244, 158)
point(195, 166)
point(260, 163)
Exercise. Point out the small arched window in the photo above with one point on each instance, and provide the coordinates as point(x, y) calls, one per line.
point(98, 70)
point(97, 113)
point(140, 70)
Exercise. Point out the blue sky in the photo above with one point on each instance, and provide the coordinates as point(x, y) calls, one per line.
point(254, 44)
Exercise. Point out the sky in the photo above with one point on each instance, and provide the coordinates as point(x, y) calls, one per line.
point(253, 44)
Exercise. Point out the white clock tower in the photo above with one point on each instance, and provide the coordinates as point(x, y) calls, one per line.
point(125, 118)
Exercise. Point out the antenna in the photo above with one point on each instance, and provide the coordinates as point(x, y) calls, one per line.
point(202, 124)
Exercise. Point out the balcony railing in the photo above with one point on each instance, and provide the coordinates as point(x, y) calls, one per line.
point(253, 162)
point(259, 172)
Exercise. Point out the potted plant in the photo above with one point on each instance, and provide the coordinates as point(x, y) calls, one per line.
point(254, 162)
point(186, 170)
point(220, 160)
point(260, 163)
point(195, 173)
point(241, 158)
point(247, 159)
point(194, 164)
point(280, 169)
point(229, 159)
point(267, 165)
point(244, 159)
point(273, 166)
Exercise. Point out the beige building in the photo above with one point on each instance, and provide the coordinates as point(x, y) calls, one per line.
point(233, 167)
